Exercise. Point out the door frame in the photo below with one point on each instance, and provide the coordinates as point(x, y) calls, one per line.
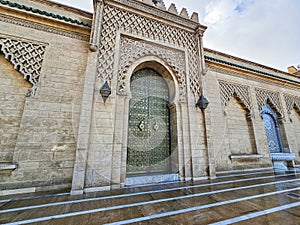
point(267, 110)
point(119, 159)
point(167, 163)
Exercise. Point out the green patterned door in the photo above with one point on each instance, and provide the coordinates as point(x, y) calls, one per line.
point(149, 127)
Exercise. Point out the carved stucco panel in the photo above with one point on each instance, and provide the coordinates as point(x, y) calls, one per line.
point(263, 96)
point(27, 58)
point(228, 89)
point(291, 101)
point(115, 19)
point(132, 50)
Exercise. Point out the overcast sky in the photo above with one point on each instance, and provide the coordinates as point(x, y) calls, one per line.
point(263, 31)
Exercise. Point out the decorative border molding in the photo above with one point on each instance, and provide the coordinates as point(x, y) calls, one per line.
point(45, 28)
point(208, 58)
point(43, 13)
point(240, 75)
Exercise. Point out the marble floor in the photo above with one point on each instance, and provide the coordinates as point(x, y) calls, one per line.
point(261, 197)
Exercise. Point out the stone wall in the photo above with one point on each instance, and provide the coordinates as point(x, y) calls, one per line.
point(236, 101)
point(42, 127)
point(13, 88)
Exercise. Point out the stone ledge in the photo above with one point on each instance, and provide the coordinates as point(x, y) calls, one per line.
point(245, 157)
point(283, 156)
point(151, 179)
point(8, 166)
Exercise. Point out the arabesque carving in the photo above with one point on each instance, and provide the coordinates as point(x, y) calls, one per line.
point(291, 101)
point(27, 58)
point(115, 19)
point(263, 96)
point(228, 90)
point(132, 50)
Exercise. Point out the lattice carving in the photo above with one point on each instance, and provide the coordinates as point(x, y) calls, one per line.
point(291, 101)
point(116, 19)
point(26, 57)
point(263, 96)
point(230, 89)
point(132, 50)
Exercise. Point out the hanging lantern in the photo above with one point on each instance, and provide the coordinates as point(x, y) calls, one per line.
point(202, 103)
point(105, 91)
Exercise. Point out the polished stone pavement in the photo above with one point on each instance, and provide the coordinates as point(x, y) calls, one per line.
point(261, 197)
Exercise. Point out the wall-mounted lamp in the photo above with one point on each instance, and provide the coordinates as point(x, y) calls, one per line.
point(105, 91)
point(202, 103)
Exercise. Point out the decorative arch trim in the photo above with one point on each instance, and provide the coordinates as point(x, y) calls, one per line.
point(242, 92)
point(266, 109)
point(264, 96)
point(133, 52)
point(27, 58)
point(291, 102)
point(159, 66)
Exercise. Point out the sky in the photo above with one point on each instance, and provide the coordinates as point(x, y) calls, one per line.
point(262, 31)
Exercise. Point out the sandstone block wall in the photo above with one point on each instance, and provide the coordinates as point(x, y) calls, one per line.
point(38, 133)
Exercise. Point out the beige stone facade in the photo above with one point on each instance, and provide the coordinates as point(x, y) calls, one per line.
point(58, 133)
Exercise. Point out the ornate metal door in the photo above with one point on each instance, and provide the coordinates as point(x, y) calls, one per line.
point(149, 127)
point(272, 129)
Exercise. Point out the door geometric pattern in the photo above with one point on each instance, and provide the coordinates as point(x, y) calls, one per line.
point(149, 127)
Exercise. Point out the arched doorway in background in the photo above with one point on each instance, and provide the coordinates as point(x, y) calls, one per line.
point(272, 129)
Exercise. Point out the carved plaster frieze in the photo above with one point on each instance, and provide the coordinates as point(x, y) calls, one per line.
point(41, 27)
point(264, 96)
point(159, 13)
point(291, 101)
point(115, 19)
point(27, 58)
point(228, 89)
point(132, 50)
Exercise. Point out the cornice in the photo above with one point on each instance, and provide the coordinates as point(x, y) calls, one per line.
point(42, 27)
point(43, 13)
point(266, 74)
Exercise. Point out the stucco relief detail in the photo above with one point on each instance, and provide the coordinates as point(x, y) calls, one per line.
point(263, 96)
point(26, 57)
point(291, 101)
point(118, 20)
point(228, 89)
point(132, 50)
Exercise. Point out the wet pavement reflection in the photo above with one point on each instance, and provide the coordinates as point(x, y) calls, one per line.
point(262, 197)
